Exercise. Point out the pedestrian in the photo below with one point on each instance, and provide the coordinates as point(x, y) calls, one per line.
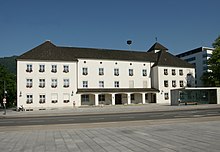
point(4, 105)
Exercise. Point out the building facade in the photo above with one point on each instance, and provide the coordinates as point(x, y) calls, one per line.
point(50, 76)
point(198, 57)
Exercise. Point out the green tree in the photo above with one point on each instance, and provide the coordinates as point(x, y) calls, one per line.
point(212, 77)
point(7, 82)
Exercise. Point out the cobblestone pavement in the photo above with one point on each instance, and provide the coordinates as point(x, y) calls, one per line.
point(173, 137)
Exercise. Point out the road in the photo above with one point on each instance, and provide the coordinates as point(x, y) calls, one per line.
point(73, 119)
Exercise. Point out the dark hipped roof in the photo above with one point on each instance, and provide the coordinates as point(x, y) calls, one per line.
point(48, 51)
point(167, 59)
point(157, 46)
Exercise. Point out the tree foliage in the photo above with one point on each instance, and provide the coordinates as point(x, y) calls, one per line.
point(212, 77)
point(9, 80)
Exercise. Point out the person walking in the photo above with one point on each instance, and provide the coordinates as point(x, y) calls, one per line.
point(4, 105)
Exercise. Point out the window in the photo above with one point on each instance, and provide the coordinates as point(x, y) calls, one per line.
point(66, 83)
point(166, 83)
point(65, 68)
point(101, 97)
point(85, 71)
point(190, 59)
point(180, 72)
point(206, 55)
point(131, 72)
point(132, 97)
point(101, 71)
point(173, 72)
point(144, 72)
point(66, 98)
point(54, 68)
point(85, 84)
point(174, 83)
point(101, 84)
point(165, 71)
point(54, 97)
point(29, 68)
point(41, 68)
point(42, 99)
point(166, 96)
point(53, 83)
point(116, 84)
point(29, 98)
point(41, 83)
point(116, 72)
point(29, 83)
point(181, 83)
point(85, 98)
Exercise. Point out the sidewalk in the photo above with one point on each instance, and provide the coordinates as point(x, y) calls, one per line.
point(104, 110)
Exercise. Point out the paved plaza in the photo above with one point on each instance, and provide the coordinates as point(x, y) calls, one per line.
point(180, 136)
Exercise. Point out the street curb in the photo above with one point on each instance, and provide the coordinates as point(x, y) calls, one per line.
point(73, 113)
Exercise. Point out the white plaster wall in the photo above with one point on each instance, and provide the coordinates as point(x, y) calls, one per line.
point(22, 75)
point(170, 78)
point(93, 76)
point(218, 95)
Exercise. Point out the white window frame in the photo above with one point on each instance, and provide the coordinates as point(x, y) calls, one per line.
point(29, 98)
point(181, 72)
point(85, 84)
point(54, 98)
point(166, 96)
point(41, 68)
point(174, 83)
point(66, 83)
point(101, 84)
point(54, 68)
point(53, 83)
point(101, 71)
point(173, 72)
point(66, 97)
point(29, 68)
point(84, 71)
point(116, 72)
point(131, 72)
point(41, 83)
point(165, 71)
point(144, 72)
point(29, 83)
point(181, 83)
point(65, 68)
point(166, 83)
point(42, 98)
point(116, 84)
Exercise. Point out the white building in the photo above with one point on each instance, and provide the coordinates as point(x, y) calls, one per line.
point(198, 57)
point(52, 76)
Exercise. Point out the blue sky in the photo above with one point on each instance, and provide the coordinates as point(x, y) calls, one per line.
point(179, 25)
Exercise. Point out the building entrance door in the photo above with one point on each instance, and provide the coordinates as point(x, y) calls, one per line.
point(118, 99)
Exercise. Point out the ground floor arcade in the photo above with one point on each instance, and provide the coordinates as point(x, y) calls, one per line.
point(116, 97)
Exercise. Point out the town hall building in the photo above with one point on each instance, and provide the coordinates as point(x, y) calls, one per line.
point(50, 76)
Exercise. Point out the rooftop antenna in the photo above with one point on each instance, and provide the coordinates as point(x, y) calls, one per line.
point(156, 39)
point(129, 42)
